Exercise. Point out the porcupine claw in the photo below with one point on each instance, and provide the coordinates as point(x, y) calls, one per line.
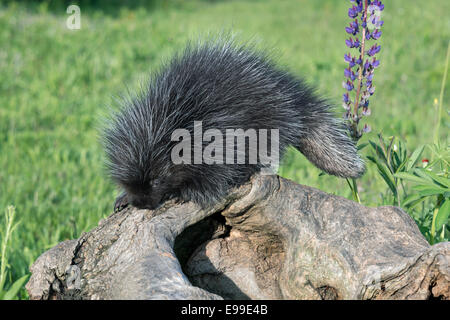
point(121, 202)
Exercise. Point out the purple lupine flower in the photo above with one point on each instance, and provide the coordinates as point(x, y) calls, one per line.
point(348, 73)
point(366, 67)
point(348, 85)
point(359, 7)
point(374, 18)
point(366, 111)
point(378, 4)
point(352, 43)
point(348, 58)
point(361, 31)
point(375, 63)
point(365, 103)
point(349, 43)
point(353, 28)
point(373, 50)
point(353, 12)
point(376, 34)
point(345, 97)
point(351, 60)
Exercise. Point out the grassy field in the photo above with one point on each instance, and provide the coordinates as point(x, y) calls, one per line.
point(55, 83)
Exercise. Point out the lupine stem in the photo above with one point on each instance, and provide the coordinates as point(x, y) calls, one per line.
point(365, 69)
point(355, 121)
point(356, 193)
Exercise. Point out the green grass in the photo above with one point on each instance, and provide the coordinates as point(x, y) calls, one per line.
point(55, 83)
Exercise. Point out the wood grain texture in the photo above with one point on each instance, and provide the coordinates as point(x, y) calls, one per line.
point(270, 239)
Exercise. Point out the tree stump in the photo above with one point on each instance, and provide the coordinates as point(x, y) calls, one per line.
point(269, 239)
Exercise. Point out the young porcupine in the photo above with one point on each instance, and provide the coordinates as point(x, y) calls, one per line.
point(225, 86)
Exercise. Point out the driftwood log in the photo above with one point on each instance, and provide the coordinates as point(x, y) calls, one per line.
point(270, 239)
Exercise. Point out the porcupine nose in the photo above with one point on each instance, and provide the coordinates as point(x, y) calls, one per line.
point(147, 202)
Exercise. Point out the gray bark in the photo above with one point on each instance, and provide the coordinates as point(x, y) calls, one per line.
point(270, 239)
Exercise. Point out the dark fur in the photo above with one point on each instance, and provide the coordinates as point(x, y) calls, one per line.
point(226, 86)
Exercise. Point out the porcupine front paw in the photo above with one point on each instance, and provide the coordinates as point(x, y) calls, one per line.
point(121, 202)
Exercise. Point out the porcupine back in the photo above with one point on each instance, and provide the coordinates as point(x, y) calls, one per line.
point(223, 85)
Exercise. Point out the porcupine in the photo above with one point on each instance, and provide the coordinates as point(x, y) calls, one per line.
point(224, 85)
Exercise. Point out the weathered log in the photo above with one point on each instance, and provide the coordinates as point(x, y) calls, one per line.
point(270, 239)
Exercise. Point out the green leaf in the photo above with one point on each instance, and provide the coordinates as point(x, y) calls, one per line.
point(423, 174)
point(389, 151)
point(414, 157)
point(414, 178)
point(426, 190)
point(362, 146)
point(433, 178)
point(442, 181)
point(401, 157)
point(385, 174)
point(442, 216)
point(14, 289)
point(379, 151)
point(413, 200)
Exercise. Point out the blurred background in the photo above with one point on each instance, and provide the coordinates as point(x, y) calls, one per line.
point(55, 83)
